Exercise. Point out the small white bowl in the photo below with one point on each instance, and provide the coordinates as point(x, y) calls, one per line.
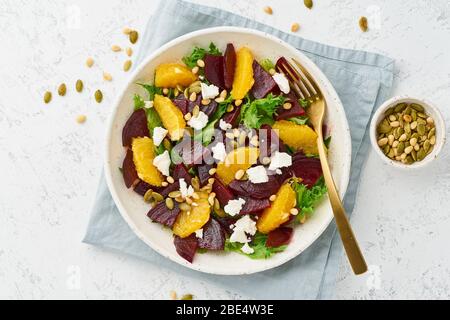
point(430, 110)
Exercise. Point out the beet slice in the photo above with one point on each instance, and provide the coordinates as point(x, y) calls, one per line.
point(129, 170)
point(181, 172)
point(171, 187)
point(213, 236)
point(142, 187)
point(182, 103)
point(192, 152)
point(197, 102)
point(135, 127)
point(264, 83)
point(253, 206)
point(269, 141)
point(203, 173)
point(233, 117)
point(286, 173)
point(308, 169)
point(279, 237)
point(295, 111)
point(226, 223)
point(186, 247)
point(283, 64)
point(209, 109)
point(214, 70)
point(255, 190)
point(229, 66)
point(223, 193)
point(163, 215)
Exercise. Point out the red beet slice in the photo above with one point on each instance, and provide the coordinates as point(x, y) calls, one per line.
point(229, 66)
point(308, 169)
point(253, 206)
point(295, 111)
point(203, 173)
point(226, 224)
point(223, 194)
point(210, 109)
point(142, 187)
point(286, 173)
point(269, 141)
point(214, 70)
point(171, 187)
point(161, 214)
point(135, 127)
point(283, 64)
point(279, 237)
point(255, 190)
point(264, 83)
point(182, 103)
point(192, 152)
point(186, 247)
point(213, 236)
point(233, 117)
point(129, 170)
point(181, 172)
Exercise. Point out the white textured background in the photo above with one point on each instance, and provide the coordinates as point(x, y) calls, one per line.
point(49, 165)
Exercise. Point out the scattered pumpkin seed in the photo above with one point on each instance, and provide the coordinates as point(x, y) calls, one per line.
point(98, 96)
point(107, 76)
point(81, 119)
point(157, 197)
point(127, 65)
point(79, 86)
point(116, 48)
point(89, 62)
point(134, 36)
point(363, 24)
point(47, 97)
point(187, 297)
point(127, 31)
point(148, 195)
point(295, 26)
point(62, 89)
point(268, 10)
point(129, 51)
point(417, 107)
point(308, 3)
point(169, 203)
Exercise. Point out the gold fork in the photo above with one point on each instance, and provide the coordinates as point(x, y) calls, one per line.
point(306, 88)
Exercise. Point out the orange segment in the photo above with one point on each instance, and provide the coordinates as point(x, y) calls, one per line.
point(243, 76)
point(279, 212)
point(143, 156)
point(299, 137)
point(239, 159)
point(171, 117)
point(169, 75)
point(189, 222)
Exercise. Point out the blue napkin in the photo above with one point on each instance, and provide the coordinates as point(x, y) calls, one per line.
point(362, 80)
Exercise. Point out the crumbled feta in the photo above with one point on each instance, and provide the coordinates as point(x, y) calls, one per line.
point(278, 172)
point(224, 125)
point(219, 152)
point(258, 174)
point(199, 122)
point(234, 207)
point(148, 104)
point(209, 91)
point(247, 249)
point(162, 163)
point(199, 234)
point(185, 190)
point(159, 133)
point(242, 228)
point(280, 160)
point(282, 82)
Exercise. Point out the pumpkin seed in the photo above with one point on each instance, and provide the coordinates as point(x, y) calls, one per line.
point(382, 142)
point(116, 48)
point(421, 129)
point(417, 107)
point(157, 197)
point(195, 90)
point(422, 115)
point(421, 154)
point(386, 149)
point(268, 10)
point(187, 297)
point(216, 204)
point(409, 159)
point(134, 36)
point(414, 115)
point(392, 117)
point(129, 52)
point(184, 207)
point(98, 96)
point(127, 65)
point(308, 3)
point(400, 148)
point(148, 195)
point(400, 107)
point(47, 97)
point(89, 62)
point(62, 90)
point(433, 140)
point(195, 182)
point(426, 145)
point(363, 24)
point(79, 86)
point(384, 127)
point(413, 125)
point(391, 153)
point(407, 111)
point(403, 137)
point(414, 155)
point(431, 133)
point(170, 204)
point(389, 111)
point(295, 26)
point(81, 119)
point(407, 127)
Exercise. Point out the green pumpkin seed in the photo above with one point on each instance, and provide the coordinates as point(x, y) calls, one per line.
point(421, 129)
point(127, 65)
point(426, 145)
point(415, 135)
point(407, 127)
point(384, 127)
point(187, 297)
point(421, 115)
point(62, 90)
point(421, 154)
point(409, 160)
point(134, 36)
point(98, 96)
point(414, 155)
point(414, 115)
point(431, 133)
point(308, 3)
point(148, 195)
point(389, 111)
point(47, 97)
point(170, 204)
point(363, 24)
point(407, 110)
point(157, 197)
point(386, 149)
point(417, 107)
point(79, 85)
point(391, 153)
point(400, 107)
point(400, 148)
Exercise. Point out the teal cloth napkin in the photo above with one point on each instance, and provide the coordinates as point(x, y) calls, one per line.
point(362, 80)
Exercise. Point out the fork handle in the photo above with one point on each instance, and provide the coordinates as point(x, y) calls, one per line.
point(351, 246)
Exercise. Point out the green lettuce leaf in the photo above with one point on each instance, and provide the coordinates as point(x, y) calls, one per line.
point(151, 89)
point(267, 64)
point(261, 111)
point(307, 199)
point(299, 120)
point(153, 119)
point(258, 244)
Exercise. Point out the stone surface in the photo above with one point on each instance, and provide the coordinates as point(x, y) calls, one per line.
point(50, 165)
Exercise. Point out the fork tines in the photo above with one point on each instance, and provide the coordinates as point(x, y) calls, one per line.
point(298, 79)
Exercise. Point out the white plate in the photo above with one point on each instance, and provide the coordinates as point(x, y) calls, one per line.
point(133, 208)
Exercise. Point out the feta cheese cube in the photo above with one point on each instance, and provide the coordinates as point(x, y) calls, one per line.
point(247, 249)
point(185, 190)
point(162, 163)
point(224, 125)
point(159, 133)
point(148, 104)
point(209, 91)
point(280, 160)
point(199, 122)
point(282, 82)
point(219, 152)
point(199, 234)
point(234, 207)
point(258, 174)
point(243, 228)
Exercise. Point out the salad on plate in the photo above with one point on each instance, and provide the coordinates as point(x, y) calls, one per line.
point(223, 152)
